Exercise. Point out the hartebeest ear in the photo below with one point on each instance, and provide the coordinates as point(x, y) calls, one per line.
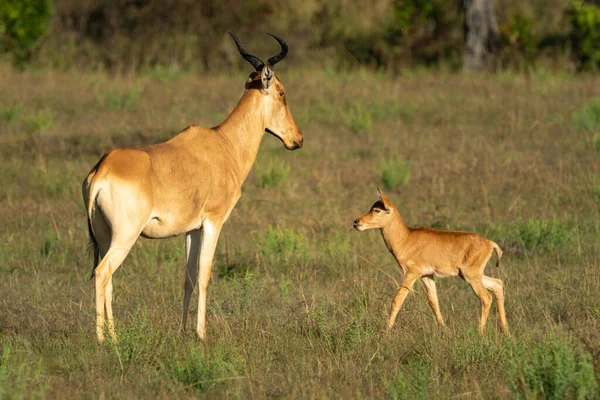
point(266, 76)
point(384, 199)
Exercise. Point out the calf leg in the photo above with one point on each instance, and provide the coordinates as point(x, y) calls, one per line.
point(484, 296)
point(496, 286)
point(432, 298)
point(407, 285)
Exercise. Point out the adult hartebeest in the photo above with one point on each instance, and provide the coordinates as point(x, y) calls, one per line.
point(188, 184)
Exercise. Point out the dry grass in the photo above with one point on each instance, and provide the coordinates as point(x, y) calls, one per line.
point(297, 311)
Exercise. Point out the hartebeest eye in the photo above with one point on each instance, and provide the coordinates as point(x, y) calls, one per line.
point(282, 93)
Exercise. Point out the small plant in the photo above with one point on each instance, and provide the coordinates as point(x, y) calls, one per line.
point(538, 234)
point(395, 173)
point(22, 24)
point(413, 382)
point(10, 113)
point(273, 174)
point(40, 121)
point(120, 99)
point(585, 36)
point(203, 370)
point(277, 244)
point(140, 341)
point(553, 369)
point(359, 119)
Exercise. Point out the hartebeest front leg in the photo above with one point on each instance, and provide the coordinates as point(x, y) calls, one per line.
point(432, 299)
point(193, 240)
point(407, 284)
point(210, 236)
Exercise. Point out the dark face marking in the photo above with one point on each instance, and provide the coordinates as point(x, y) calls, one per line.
point(378, 206)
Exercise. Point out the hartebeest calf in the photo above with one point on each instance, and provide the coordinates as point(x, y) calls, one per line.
point(188, 184)
point(427, 252)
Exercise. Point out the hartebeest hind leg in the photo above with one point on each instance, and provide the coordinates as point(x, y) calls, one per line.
point(497, 287)
point(210, 236)
point(407, 284)
point(432, 298)
point(193, 240)
point(102, 275)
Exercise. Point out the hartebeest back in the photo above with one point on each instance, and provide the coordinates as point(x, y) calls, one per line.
point(427, 252)
point(188, 184)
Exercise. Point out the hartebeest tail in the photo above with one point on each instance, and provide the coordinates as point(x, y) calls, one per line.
point(426, 252)
point(187, 185)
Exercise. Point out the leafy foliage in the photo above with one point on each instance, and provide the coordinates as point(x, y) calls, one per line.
point(517, 40)
point(585, 25)
point(22, 24)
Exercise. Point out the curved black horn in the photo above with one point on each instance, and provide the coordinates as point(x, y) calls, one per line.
point(284, 49)
point(255, 61)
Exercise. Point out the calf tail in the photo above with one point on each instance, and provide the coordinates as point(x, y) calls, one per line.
point(498, 253)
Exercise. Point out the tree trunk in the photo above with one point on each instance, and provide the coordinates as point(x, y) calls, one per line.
point(481, 33)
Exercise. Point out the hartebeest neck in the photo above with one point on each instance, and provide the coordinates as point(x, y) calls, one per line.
point(395, 232)
point(244, 129)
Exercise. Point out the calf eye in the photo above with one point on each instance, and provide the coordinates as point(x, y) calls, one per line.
point(377, 210)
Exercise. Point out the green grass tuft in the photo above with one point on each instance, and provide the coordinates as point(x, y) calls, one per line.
point(272, 174)
point(359, 119)
point(10, 113)
point(395, 172)
point(587, 120)
point(541, 234)
point(204, 369)
point(282, 245)
point(126, 100)
point(40, 121)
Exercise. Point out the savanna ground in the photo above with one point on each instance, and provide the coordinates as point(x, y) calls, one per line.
point(298, 299)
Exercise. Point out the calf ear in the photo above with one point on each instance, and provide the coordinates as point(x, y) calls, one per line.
point(384, 199)
point(266, 76)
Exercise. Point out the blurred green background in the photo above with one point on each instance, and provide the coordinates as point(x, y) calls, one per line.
point(388, 34)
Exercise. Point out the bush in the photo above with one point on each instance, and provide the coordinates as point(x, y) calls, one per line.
point(585, 35)
point(517, 40)
point(22, 24)
point(395, 173)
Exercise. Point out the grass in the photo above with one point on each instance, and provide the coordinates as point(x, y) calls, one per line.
point(298, 300)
